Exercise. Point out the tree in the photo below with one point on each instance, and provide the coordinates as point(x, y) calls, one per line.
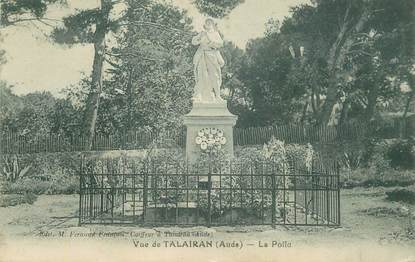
point(13, 12)
point(29, 114)
point(349, 56)
point(265, 74)
point(65, 118)
point(93, 26)
point(233, 89)
point(37, 114)
point(90, 26)
point(151, 78)
point(341, 29)
point(216, 8)
point(10, 105)
point(2, 54)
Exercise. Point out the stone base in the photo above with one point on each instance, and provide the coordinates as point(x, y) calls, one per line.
point(190, 213)
point(204, 115)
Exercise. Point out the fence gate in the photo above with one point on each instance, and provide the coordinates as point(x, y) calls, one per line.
point(210, 194)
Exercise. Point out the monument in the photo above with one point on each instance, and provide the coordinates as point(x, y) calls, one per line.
point(209, 123)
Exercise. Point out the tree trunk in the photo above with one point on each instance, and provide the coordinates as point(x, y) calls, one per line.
point(410, 96)
point(329, 102)
point(337, 56)
point(92, 104)
point(304, 113)
point(344, 112)
point(371, 104)
point(408, 103)
point(130, 99)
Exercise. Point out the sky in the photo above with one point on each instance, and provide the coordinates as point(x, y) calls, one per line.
point(34, 63)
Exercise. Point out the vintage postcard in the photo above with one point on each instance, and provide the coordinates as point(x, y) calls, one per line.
point(207, 130)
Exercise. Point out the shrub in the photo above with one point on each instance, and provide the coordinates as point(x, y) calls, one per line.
point(275, 151)
point(50, 173)
point(391, 154)
point(56, 184)
point(368, 177)
point(249, 154)
point(13, 169)
point(378, 162)
point(17, 199)
point(401, 154)
point(403, 194)
point(278, 151)
point(39, 165)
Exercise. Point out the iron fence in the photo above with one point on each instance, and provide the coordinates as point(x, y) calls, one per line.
point(209, 194)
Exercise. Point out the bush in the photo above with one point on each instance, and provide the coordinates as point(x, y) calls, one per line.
point(401, 154)
point(403, 195)
point(368, 177)
point(277, 150)
point(56, 184)
point(49, 173)
point(389, 154)
point(38, 165)
point(350, 154)
point(17, 199)
point(249, 154)
point(378, 162)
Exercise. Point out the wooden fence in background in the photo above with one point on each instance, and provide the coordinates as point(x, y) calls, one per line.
point(316, 134)
point(12, 143)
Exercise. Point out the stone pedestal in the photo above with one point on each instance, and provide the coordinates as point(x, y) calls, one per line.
point(208, 115)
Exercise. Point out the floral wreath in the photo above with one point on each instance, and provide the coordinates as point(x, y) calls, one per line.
point(210, 139)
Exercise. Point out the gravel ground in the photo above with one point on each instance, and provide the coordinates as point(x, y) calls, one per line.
point(368, 220)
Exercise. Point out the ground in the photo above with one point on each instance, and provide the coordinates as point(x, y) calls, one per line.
point(368, 220)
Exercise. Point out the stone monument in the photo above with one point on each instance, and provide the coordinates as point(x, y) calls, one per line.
point(209, 123)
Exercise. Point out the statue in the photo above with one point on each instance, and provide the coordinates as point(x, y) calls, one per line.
point(207, 64)
point(209, 125)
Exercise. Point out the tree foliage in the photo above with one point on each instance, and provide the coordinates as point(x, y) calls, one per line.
point(330, 61)
point(154, 50)
point(77, 28)
point(150, 82)
point(15, 11)
point(36, 114)
point(349, 61)
point(217, 8)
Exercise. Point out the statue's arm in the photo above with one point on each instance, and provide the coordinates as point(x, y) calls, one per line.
point(197, 39)
point(217, 43)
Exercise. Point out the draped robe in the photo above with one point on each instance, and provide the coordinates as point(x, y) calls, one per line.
point(207, 64)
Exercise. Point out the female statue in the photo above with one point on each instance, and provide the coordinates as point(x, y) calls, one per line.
point(207, 64)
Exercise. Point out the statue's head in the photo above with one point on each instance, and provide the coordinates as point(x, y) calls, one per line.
point(209, 25)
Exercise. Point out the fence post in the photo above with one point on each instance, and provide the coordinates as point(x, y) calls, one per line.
point(102, 193)
point(313, 189)
point(145, 184)
point(273, 196)
point(338, 191)
point(209, 192)
point(328, 209)
point(91, 197)
point(80, 190)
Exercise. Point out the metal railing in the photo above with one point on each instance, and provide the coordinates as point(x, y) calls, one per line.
point(209, 194)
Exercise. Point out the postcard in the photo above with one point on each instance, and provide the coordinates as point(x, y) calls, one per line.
point(206, 130)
